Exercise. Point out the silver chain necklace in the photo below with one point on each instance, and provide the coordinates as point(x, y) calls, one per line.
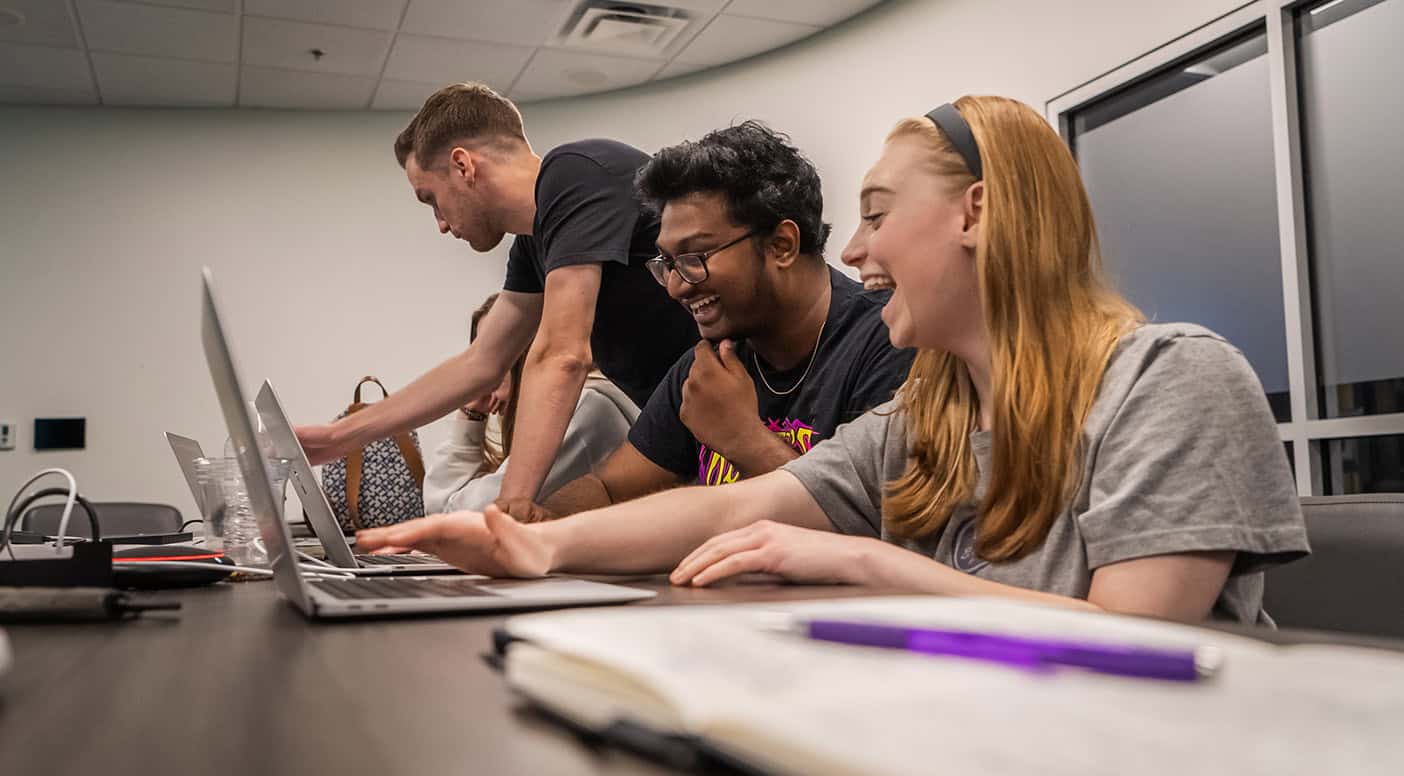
point(761, 373)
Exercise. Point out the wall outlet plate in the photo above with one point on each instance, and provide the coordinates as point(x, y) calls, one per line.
point(7, 435)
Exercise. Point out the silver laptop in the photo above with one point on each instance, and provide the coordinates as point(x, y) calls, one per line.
point(279, 431)
point(187, 451)
point(357, 597)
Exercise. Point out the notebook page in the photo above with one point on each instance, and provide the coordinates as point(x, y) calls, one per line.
point(828, 708)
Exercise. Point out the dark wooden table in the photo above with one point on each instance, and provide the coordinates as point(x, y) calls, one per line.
point(239, 683)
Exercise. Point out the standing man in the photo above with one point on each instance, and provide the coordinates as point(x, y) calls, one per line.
point(576, 280)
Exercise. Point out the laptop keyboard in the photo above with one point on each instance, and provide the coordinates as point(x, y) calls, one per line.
point(396, 560)
point(401, 587)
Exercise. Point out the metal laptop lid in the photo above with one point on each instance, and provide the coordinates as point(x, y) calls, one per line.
point(5, 658)
point(267, 512)
point(186, 452)
point(280, 432)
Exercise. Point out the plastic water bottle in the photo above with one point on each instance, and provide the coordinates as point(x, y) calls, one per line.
point(243, 544)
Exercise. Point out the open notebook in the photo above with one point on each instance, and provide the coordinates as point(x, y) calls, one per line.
point(781, 703)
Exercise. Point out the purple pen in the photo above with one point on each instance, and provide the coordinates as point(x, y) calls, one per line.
point(1179, 665)
point(926, 642)
point(1176, 665)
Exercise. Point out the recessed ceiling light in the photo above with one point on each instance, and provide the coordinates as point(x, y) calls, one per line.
point(9, 17)
point(586, 76)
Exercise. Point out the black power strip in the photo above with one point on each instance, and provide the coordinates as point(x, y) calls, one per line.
point(89, 566)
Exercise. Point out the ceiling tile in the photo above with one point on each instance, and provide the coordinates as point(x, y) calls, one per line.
point(273, 43)
point(163, 32)
point(371, 14)
point(261, 87)
point(820, 12)
point(42, 23)
point(148, 81)
point(729, 38)
point(44, 67)
point(555, 73)
point(228, 6)
point(446, 61)
point(38, 95)
point(706, 6)
point(403, 95)
point(520, 22)
point(675, 69)
point(440, 42)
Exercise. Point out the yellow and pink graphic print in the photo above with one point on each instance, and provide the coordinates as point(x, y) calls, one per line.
point(714, 469)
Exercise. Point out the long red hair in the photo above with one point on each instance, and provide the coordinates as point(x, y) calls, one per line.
point(1053, 323)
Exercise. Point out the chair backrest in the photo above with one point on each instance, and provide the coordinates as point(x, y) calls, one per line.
point(115, 518)
point(1353, 580)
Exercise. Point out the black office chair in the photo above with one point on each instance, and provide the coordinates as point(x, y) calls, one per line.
point(115, 518)
point(1353, 581)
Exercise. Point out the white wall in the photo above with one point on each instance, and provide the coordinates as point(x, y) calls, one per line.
point(327, 267)
point(330, 270)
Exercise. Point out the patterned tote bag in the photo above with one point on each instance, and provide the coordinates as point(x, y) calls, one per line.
point(380, 484)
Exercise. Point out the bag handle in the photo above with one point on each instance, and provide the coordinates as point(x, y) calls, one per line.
point(356, 397)
point(354, 461)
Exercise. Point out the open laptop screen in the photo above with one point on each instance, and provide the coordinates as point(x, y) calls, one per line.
point(280, 432)
point(267, 511)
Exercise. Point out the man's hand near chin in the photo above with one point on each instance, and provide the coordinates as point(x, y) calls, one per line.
point(525, 510)
point(720, 408)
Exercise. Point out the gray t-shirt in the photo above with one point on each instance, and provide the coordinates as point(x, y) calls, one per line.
point(1182, 455)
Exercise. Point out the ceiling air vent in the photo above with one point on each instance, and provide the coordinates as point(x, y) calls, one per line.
point(626, 29)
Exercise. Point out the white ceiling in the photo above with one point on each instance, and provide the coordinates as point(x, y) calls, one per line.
point(377, 54)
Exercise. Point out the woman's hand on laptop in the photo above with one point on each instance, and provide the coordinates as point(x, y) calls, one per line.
point(490, 543)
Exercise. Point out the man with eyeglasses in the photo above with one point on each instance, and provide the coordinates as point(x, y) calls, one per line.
point(576, 280)
point(792, 347)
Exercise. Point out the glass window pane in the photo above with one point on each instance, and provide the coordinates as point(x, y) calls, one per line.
point(1180, 171)
point(1351, 68)
point(1373, 464)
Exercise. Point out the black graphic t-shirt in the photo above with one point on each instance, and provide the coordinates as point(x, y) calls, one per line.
point(586, 213)
point(855, 369)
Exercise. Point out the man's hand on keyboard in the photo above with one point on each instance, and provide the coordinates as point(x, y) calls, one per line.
point(490, 543)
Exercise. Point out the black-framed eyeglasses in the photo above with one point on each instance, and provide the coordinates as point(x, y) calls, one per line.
point(691, 267)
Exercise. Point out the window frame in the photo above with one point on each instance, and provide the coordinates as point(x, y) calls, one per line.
point(1308, 432)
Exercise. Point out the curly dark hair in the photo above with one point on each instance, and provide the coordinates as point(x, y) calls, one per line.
point(764, 179)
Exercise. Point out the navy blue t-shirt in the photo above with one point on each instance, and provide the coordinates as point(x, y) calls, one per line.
point(855, 369)
point(586, 213)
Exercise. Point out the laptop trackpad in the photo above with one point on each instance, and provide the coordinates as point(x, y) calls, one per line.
point(542, 588)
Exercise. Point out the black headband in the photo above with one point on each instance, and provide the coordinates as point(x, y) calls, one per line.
point(949, 121)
